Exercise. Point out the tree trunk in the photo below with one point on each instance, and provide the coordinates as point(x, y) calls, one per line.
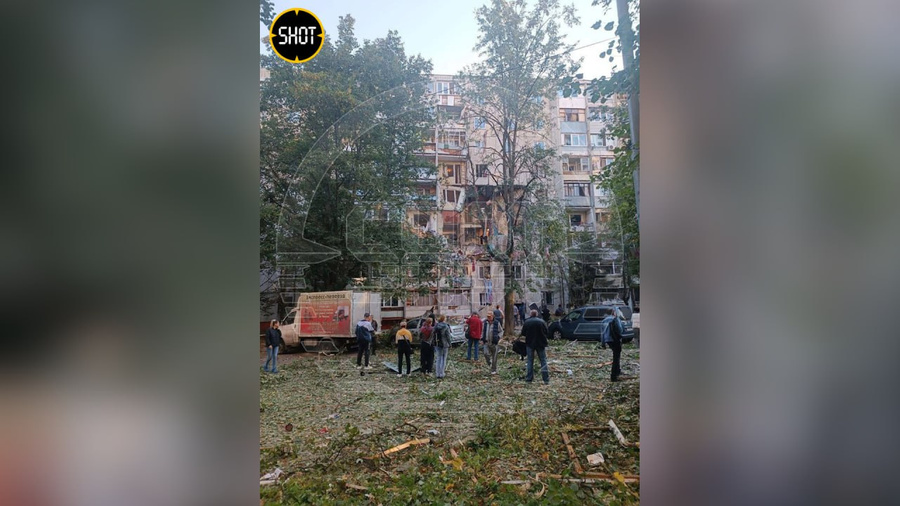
point(508, 321)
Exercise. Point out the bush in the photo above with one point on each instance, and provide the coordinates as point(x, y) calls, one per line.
point(383, 340)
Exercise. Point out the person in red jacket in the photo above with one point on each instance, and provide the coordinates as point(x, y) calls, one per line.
point(473, 335)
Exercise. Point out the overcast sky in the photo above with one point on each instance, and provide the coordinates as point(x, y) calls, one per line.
point(445, 32)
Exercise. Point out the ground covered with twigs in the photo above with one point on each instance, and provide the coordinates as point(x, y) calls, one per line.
point(475, 438)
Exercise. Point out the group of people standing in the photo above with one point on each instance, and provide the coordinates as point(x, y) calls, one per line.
point(433, 348)
point(484, 335)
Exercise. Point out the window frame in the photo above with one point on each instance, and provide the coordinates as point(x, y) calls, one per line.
point(571, 140)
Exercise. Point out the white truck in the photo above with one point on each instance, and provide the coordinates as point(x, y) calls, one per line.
point(326, 321)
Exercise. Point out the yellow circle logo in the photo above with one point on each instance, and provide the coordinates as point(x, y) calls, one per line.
point(296, 35)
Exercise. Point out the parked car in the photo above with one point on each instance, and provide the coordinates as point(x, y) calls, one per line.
point(583, 324)
point(414, 325)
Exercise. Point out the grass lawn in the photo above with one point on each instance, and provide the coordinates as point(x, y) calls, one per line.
point(483, 430)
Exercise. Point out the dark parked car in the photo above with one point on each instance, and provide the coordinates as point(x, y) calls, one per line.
point(583, 324)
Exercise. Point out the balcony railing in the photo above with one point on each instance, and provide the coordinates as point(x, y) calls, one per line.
point(446, 299)
point(577, 201)
point(457, 282)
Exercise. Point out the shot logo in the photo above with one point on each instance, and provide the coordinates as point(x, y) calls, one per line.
point(296, 35)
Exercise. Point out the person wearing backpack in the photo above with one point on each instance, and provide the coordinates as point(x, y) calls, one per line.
point(491, 333)
point(473, 335)
point(441, 337)
point(426, 347)
point(364, 333)
point(612, 336)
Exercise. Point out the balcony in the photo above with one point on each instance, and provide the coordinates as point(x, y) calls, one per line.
point(456, 282)
point(444, 149)
point(572, 127)
point(577, 201)
point(424, 174)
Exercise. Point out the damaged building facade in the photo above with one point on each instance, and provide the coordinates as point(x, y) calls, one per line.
point(466, 214)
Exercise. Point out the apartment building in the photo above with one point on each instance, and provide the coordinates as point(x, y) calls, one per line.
point(463, 189)
point(585, 148)
point(465, 215)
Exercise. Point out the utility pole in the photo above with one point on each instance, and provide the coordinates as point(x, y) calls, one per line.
point(626, 36)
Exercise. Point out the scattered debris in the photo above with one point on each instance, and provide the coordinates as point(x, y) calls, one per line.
point(618, 433)
point(392, 366)
point(572, 456)
point(271, 478)
point(595, 459)
point(405, 446)
point(496, 427)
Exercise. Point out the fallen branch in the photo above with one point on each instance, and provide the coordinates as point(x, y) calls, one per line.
point(628, 479)
point(572, 456)
point(618, 433)
point(588, 478)
point(405, 446)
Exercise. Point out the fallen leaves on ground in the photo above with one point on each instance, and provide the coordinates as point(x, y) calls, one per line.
point(496, 428)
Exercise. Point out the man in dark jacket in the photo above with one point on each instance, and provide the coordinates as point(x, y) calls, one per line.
point(273, 341)
point(374, 336)
point(545, 312)
point(614, 340)
point(535, 331)
point(491, 332)
point(364, 336)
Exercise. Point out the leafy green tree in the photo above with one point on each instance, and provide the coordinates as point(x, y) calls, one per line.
point(617, 179)
point(627, 42)
point(524, 61)
point(620, 178)
point(266, 12)
point(338, 164)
